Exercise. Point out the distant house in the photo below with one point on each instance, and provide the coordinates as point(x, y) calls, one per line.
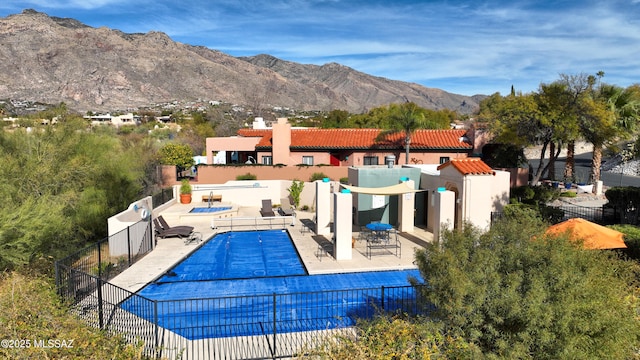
point(117, 121)
point(285, 145)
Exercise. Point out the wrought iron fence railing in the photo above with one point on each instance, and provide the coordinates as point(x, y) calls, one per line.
point(242, 327)
point(267, 326)
point(103, 259)
point(162, 197)
point(264, 326)
point(603, 215)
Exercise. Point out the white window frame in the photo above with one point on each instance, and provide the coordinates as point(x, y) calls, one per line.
point(307, 160)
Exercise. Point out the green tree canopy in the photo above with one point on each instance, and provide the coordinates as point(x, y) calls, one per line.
point(518, 294)
point(176, 154)
point(60, 183)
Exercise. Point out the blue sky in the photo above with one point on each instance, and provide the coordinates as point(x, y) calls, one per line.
point(465, 47)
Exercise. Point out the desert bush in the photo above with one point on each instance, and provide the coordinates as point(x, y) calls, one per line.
point(395, 337)
point(518, 294)
point(317, 176)
point(247, 176)
point(31, 311)
point(631, 239)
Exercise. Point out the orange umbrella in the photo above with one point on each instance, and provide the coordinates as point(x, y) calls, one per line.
point(595, 236)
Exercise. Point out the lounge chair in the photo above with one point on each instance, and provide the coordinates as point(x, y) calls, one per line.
point(166, 226)
point(163, 230)
point(286, 207)
point(267, 208)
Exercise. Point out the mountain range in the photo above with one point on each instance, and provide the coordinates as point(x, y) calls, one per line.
point(52, 60)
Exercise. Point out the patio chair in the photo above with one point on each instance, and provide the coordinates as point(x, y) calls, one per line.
point(286, 207)
point(178, 231)
point(166, 226)
point(364, 234)
point(267, 208)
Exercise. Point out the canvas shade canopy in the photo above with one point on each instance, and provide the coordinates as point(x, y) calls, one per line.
point(397, 189)
point(594, 236)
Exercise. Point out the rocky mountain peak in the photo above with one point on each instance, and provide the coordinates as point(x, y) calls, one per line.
point(52, 60)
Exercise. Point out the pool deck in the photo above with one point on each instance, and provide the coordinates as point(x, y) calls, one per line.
point(170, 251)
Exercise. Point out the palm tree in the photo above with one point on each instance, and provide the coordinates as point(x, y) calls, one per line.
point(407, 117)
point(610, 113)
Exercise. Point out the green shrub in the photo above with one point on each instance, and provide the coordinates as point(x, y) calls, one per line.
point(518, 294)
point(295, 190)
point(534, 194)
point(395, 337)
point(568, 194)
point(631, 239)
point(247, 176)
point(31, 310)
point(344, 180)
point(317, 176)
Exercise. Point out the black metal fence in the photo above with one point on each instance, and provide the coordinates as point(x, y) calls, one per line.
point(603, 215)
point(103, 260)
point(243, 327)
point(162, 197)
point(246, 327)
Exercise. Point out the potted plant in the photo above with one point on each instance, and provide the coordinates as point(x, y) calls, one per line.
point(185, 192)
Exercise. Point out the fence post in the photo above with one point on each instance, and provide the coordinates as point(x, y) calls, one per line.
point(58, 280)
point(275, 321)
point(150, 233)
point(382, 302)
point(100, 310)
point(155, 328)
point(129, 243)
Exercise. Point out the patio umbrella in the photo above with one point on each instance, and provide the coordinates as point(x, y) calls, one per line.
point(595, 236)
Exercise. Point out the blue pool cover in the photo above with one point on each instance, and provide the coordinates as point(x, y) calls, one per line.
point(209, 209)
point(245, 283)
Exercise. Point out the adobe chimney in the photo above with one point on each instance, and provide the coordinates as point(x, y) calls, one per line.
point(281, 137)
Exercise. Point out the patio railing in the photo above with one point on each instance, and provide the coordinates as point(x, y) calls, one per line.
point(253, 223)
point(243, 327)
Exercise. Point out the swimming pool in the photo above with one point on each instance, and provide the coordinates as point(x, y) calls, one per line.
point(206, 210)
point(254, 283)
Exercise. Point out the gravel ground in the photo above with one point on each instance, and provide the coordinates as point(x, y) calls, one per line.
point(614, 165)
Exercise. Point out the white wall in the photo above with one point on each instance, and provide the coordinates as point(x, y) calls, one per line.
point(477, 197)
point(117, 225)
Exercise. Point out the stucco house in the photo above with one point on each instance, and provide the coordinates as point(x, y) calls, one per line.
point(285, 145)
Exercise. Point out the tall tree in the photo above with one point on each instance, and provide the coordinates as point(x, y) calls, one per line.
point(607, 114)
point(557, 102)
point(517, 119)
point(406, 118)
point(576, 88)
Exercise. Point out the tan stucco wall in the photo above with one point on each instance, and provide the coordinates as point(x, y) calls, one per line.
point(220, 174)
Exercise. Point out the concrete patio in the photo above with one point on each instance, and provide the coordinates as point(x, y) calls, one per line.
point(170, 251)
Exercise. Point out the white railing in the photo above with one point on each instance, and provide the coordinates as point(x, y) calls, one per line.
point(254, 223)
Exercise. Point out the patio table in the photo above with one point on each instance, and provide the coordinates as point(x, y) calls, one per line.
point(380, 230)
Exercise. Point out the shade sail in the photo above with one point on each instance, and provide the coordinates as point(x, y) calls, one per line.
point(397, 189)
point(595, 236)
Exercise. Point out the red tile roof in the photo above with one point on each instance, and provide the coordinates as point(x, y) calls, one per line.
point(364, 139)
point(469, 166)
point(254, 132)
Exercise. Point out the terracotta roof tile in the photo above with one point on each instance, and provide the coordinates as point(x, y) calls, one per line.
point(254, 132)
point(364, 139)
point(469, 166)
